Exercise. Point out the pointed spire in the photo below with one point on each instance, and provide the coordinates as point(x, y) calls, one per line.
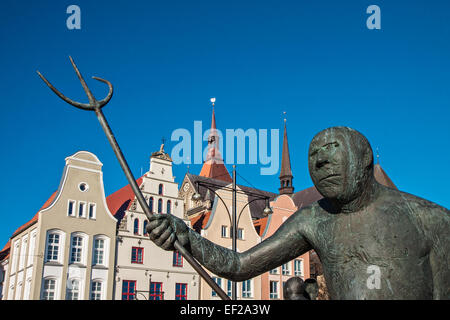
point(285, 171)
point(214, 167)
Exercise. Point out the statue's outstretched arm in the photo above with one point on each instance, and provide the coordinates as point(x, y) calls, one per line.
point(284, 245)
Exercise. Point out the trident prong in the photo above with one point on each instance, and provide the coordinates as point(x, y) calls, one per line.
point(93, 103)
point(96, 106)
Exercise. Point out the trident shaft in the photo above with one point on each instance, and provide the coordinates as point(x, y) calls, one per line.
point(96, 106)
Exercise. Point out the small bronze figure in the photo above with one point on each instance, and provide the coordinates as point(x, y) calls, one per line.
point(294, 289)
point(374, 242)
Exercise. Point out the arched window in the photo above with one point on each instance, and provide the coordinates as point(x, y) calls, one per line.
point(145, 228)
point(96, 290)
point(160, 189)
point(136, 226)
point(78, 247)
point(150, 204)
point(73, 290)
point(169, 205)
point(160, 203)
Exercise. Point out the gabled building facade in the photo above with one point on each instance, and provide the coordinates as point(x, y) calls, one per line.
point(66, 251)
point(143, 270)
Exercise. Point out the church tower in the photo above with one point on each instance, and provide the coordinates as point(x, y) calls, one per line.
point(286, 177)
point(214, 167)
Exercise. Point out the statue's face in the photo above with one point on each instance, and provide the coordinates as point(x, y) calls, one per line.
point(337, 164)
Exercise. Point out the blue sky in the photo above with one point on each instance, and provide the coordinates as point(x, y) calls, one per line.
point(316, 60)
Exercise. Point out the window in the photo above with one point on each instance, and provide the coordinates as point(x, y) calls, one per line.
point(128, 289)
point(169, 205)
point(73, 290)
point(23, 252)
point(53, 242)
point(99, 252)
point(77, 249)
point(82, 209)
point(246, 289)
point(136, 226)
point(150, 204)
point(273, 290)
point(96, 290)
point(274, 271)
point(31, 251)
point(160, 203)
point(240, 233)
point(219, 282)
point(224, 231)
point(137, 255)
point(298, 268)
point(15, 256)
point(285, 269)
point(181, 291)
point(160, 189)
point(156, 292)
point(177, 259)
point(92, 210)
point(83, 187)
point(144, 231)
point(71, 208)
point(49, 289)
point(229, 287)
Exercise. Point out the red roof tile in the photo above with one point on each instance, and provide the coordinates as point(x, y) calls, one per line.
point(36, 216)
point(119, 201)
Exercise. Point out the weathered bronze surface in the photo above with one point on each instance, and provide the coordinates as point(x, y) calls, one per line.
point(374, 242)
point(294, 289)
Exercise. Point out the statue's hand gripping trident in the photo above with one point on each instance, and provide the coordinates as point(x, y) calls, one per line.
point(97, 105)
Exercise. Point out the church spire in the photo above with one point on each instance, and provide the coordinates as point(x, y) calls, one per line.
point(285, 171)
point(214, 167)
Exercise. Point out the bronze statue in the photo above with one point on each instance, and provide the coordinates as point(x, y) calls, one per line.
point(374, 242)
point(294, 289)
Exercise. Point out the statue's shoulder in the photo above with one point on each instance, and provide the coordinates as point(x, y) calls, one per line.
point(428, 212)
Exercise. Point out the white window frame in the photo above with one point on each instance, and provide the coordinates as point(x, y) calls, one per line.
point(70, 290)
point(94, 215)
point(84, 243)
point(82, 214)
point(224, 231)
point(74, 208)
point(274, 271)
point(286, 269)
point(55, 289)
point(245, 291)
point(30, 256)
point(274, 294)
point(60, 254)
point(105, 240)
point(298, 262)
point(219, 283)
point(102, 290)
point(15, 256)
point(23, 252)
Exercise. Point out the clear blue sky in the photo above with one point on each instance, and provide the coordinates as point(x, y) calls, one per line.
point(314, 59)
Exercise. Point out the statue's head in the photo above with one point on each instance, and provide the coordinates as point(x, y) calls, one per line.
point(294, 289)
point(340, 163)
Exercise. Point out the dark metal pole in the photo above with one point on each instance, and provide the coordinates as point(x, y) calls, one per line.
point(234, 233)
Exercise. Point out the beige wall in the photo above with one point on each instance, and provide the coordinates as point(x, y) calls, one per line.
point(213, 232)
point(282, 208)
point(82, 167)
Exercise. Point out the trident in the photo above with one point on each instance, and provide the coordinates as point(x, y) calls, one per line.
point(96, 106)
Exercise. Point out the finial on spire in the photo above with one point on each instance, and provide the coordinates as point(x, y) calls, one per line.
point(284, 114)
point(213, 100)
point(378, 156)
